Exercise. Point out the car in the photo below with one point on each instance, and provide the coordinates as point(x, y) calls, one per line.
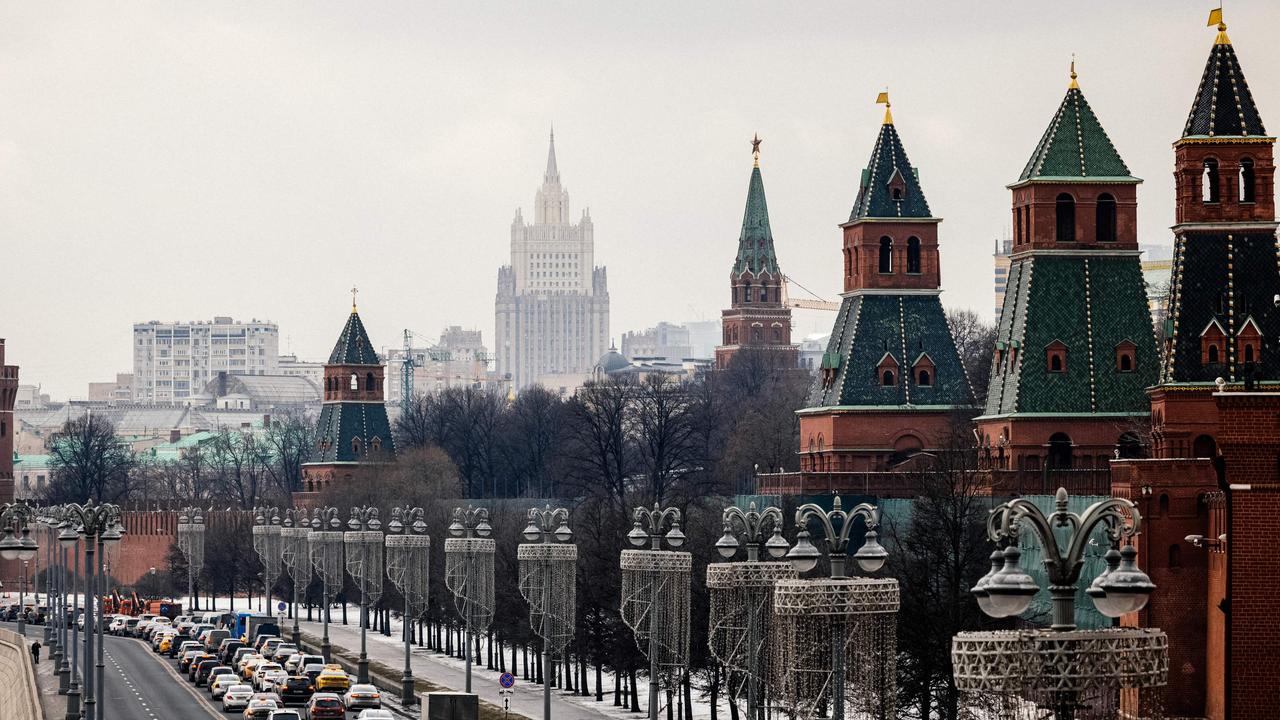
point(248, 664)
point(284, 715)
point(228, 649)
point(362, 696)
point(197, 630)
point(219, 683)
point(269, 680)
point(186, 658)
point(240, 654)
point(268, 648)
point(155, 626)
point(116, 625)
point(282, 652)
point(166, 644)
point(159, 636)
point(199, 674)
point(325, 705)
point(236, 697)
point(260, 709)
point(375, 714)
point(183, 647)
point(312, 671)
point(272, 696)
point(304, 661)
point(204, 674)
point(330, 680)
point(296, 688)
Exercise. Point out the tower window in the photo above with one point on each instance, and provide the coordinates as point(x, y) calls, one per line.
point(1106, 218)
point(1056, 357)
point(1125, 356)
point(746, 294)
point(355, 381)
point(355, 445)
point(1210, 187)
point(897, 193)
point(368, 383)
point(888, 379)
point(1065, 209)
point(924, 379)
point(1213, 354)
point(913, 255)
point(764, 294)
point(886, 255)
point(1246, 180)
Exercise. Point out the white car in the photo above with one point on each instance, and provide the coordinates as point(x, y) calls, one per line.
point(219, 684)
point(117, 624)
point(261, 672)
point(362, 696)
point(284, 715)
point(269, 681)
point(236, 697)
point(375, 714)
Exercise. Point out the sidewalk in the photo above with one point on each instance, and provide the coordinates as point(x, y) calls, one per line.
point(53, 705)
point(450, 673)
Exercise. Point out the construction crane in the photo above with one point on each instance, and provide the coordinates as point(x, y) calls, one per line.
point(817, 303)
point(406, 368)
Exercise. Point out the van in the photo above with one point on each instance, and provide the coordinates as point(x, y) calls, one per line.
point(215, 638)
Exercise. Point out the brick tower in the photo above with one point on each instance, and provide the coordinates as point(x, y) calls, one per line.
point(891, 381)
point(353, 427)
point(1074, 347)
point(1224, 305)
point(8, 395)
point(757, 317)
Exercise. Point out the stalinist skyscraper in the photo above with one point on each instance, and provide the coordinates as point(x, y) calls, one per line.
point(552, 307)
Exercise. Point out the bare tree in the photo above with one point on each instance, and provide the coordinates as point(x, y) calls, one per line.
point(88, 461)
point(288, 442)
point(663, 429)
point(975, 341)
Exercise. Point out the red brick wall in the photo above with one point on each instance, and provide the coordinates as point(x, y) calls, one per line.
point(862, 255)
point(8, 395)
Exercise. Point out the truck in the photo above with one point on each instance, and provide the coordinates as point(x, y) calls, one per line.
point(248, 626)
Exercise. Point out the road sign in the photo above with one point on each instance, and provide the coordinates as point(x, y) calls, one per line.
point(507, 680)
point(281, 606)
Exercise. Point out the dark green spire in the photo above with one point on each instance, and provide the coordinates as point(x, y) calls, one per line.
point(890, 186)
point(1075, 147)
point(353, 346)
point(1223, 104)
point(755, 243)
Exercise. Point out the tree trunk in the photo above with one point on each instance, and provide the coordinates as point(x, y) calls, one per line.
point(688, 697)
point(635, 697)
point(599, 683)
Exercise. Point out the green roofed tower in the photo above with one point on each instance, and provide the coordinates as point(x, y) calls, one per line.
point(891, 383)
point(1075, 348)
point(353, 427)
point(758, 318)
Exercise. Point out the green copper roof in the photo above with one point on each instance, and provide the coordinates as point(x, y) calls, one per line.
point(1223, 104)
point(755, 243)
point(353, 346)
point(1075, 146)
point(341, 423)
point(889, 170)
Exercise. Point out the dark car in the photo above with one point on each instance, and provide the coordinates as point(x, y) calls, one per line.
point(228, 649)
point(206, 671)
point(187, 665)
point(325, 705)
point(207, 663)
point(296, 689)
point(312, 671)
point(262, 709)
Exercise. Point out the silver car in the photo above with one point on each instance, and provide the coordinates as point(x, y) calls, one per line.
point(236, 697)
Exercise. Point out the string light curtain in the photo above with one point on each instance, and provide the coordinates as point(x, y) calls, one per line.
point(741, 619)
point(468, 574)
point(553, 564)
point(657, 581)
point(408, 566)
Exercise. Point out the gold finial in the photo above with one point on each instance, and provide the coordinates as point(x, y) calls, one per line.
point(353, 299)
point(755, 148)
point(1215, 18)
point(883, 99)
point(1074, 85)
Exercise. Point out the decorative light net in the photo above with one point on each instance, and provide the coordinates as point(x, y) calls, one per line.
point(1078, 674)
point(191, 544)
point(266, 543)
point(741, 618)
point(295, 554)
point(408, 566)
point(657, 582)
point(549, 574)
point(364, 562)
point(325, 547)
point(814, 618)
point(468, 573)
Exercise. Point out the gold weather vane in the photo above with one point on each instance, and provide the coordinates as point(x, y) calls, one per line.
point(883, 99)
point(755, 148)
point(1074, 85)
point(353, 299)
point(1215, 18)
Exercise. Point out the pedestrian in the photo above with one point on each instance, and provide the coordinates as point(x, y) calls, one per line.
point(35, 652)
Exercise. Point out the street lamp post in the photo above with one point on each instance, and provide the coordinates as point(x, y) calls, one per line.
point(742, 596)
point(266, 543)
point(468, 572)
point(827, 606)
point(408, 565)
point(548, 582)
point(191, 528)
point(95, 520)
point(293, 550)
point(17, 544)
point(363, 543)
point(69, 539)
point(324, 544)
point(55, 623)
point(107, 540)
point(1060, 667)
point(655, 582)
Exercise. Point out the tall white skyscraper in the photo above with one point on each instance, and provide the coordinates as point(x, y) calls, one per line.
point(552, 308)
point(173, 361)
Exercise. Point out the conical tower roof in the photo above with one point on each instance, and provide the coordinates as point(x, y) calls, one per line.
point(553, 173)
point(890, 186)
point(755, 242)
point(353, 346)
point(1223, 104)
point(1075, 147)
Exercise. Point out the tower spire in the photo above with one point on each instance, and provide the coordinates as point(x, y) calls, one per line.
point(1215, 18)
point(553, 173)
point(1074, 85)
point(883, 99)
point(755, 148)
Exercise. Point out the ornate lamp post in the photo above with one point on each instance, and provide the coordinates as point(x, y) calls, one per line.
point(548, 582)
point(364, 562)
point(95, 521)
point(408, 566)
point(1062, 670)
point(324, 544)
point(17, 544)
point(51, 519)
point(655, 595)
point(293, 551)
point(69, 539)
point(742, 596)
point(266, 543)
point(106, 541)
point(826, 624)
point(191, 529)
point(468, 571)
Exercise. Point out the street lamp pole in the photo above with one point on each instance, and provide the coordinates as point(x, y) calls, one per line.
point(106, 541)
point(17, 544)
point(191, 528)
point(324, 543)
point(69, 539)
point(549, 559)
point(95, 520)
point(363, 544)
point(647, 528)
point(266, 542)
point(472, 590)
point(293, 545)
point(408, 561)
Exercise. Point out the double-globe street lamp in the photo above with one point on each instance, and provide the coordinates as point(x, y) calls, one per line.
point(294, 528)
point(50, 518)
point(191, 529)
point(99, 525)
point(468, 570)
point(17, 544)
point(408, 566)
point(548, 582)
point(363, 542)
point(1062, 669)
point(266, 543)
point(824, 623)
point(741, 595)
point(655, 594)
point(324, 545)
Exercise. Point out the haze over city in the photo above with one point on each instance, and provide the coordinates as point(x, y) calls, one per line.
point(179, 161)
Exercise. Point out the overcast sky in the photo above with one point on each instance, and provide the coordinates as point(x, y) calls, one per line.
point(180, 160)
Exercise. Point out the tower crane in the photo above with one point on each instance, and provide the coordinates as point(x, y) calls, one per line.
point(408, 364)
point(817, 303)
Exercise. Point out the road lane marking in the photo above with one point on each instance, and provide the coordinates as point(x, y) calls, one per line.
point(200, 701)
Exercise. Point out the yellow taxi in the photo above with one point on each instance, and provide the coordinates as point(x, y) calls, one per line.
point(166, 644)
point(332, 678)
point(247, 668)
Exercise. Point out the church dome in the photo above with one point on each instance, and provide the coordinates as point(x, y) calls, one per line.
point(612, 361)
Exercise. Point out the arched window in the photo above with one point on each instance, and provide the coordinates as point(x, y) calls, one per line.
point(848, 262)
point(1204, 447)
point(764, 294)
point(1056, 357)
point(1163, 504)
point(1065, 210)
point(886, 254)
point(1213, 353)
point(755, 334)
point(1126, 363)
point(355, 381)
point(897, 193)
point(1106, 218)
point(1175, 556)
point(746, 293)
point(1129, 446)
point(1246, 180)
point(355, 445)
point(1059, 451)
point(913, 255)
point(1209, 190)
point(368, 383)
point(924, 379)
point(1248, 353)
point(888, 379)
point(1017, 226)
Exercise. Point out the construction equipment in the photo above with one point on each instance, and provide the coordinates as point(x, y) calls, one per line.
point(817, 303)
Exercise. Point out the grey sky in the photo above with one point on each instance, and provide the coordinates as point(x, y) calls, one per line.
point(177, 160)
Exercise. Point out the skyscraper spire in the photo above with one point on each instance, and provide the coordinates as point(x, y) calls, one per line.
point(553, 173)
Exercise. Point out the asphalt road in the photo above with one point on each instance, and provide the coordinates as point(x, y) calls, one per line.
point(144, 686)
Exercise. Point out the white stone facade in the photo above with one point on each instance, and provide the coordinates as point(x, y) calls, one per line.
point(174, 361)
